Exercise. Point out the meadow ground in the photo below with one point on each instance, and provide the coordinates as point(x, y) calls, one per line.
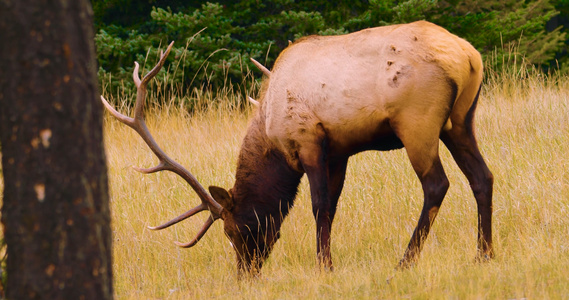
point(522, 126)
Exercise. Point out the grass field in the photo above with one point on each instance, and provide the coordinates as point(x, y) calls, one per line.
point(523, 132)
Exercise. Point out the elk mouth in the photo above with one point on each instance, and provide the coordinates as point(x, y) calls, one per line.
point(252, 245)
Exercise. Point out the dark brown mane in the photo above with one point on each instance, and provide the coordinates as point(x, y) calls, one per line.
point(263, 174)
point(264, 191)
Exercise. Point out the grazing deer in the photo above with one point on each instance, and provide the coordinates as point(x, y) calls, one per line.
point(328, 98)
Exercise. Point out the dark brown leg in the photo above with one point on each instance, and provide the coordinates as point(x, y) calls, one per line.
point(326, 178)
point(422, 147)
point(463, 147)
point(435, 185)
point(336, 176)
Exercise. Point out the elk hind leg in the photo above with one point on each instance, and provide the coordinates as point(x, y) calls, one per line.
point(463, 146)
point(423, 154)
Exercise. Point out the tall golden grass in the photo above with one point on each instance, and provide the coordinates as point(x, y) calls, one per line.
point(523, 131)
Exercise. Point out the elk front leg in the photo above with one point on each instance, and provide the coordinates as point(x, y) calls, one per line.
point(336, 177)
point(316, 168)
point(326, 178)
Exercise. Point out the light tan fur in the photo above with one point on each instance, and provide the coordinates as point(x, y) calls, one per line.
point(367, 84)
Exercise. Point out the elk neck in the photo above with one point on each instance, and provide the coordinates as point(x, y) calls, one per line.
point(265, 185)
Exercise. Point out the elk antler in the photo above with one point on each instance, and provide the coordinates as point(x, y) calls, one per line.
point(261, 67)
point(166, 163)
point(253, 101)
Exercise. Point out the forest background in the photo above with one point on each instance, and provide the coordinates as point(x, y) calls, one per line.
point(214, 40)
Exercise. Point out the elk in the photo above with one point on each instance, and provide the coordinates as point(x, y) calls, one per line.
point(326, 99)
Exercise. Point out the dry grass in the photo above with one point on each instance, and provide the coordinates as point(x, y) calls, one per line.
point(523, 132)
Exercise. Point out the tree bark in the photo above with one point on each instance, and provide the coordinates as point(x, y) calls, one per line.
point(55, 205)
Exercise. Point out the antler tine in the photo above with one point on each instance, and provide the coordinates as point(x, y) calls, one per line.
point(124, 119)
point(253, 101)
point(135, 75)
point(141, 84)
point(159, 65)
point(200, 234)
point(166, 163)
point(261, 67)
point(181, 217)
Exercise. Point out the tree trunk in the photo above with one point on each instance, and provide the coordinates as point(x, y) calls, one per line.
point(56, 206)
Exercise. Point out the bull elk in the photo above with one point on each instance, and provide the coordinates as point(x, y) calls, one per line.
point(326, 99)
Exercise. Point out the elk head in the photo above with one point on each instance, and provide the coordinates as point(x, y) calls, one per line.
point(252, 229)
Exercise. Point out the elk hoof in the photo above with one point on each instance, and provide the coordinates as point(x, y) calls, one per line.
point(405, 264)
point(483, 258)
point(326, 268)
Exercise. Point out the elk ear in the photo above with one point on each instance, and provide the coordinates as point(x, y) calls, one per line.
point(222, 197)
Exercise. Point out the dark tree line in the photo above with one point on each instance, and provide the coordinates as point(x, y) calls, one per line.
point(129, 30)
